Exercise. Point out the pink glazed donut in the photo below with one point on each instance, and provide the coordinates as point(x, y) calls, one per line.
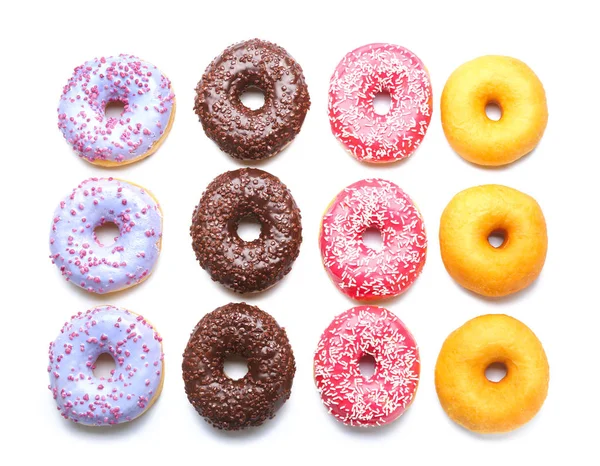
point(363, 74)
point(348, 395)
point(359, 271)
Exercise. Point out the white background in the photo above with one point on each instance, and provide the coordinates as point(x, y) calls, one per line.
point(43, 41)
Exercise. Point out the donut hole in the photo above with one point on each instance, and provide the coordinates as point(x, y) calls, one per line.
point(382, 102)
point(493, 111)
point(373, 239)
point(114, 109)
point(366, 366)
point(497, 238)
point(235, 366)
point(253, 98)
point(248, 229)
point(106, 234)
point(104, 366)
point(495, 372)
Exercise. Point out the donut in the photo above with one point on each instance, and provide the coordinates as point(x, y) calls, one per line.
point(144, 124)
point(244, 330)
point(239, 131)
point(133, 386)
point(99, 268)
point(358, 270)
point(515, 89)
point(246, 266)
point(363, 74)
point(476, 214)
point(348, 395)
point(473, 401)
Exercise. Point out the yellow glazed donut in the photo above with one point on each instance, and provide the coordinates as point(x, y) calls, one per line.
point(475, 402)
point(515, 89)
point(467, 223)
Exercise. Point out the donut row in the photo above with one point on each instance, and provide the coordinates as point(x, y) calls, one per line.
point(148, 105)
point(351, 396)
point(361, 272)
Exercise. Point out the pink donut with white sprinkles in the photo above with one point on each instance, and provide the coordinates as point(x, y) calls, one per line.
point(356, 269)
point(149, 110)
point(363, 74)
point(103, 268)
point(351, 397)
point(132, 387)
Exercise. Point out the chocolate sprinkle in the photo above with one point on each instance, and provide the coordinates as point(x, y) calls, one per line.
point(238, 329)
point(241, 132)
point(239, 265)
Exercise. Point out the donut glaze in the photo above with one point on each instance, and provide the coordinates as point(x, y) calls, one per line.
point(473, 401)
point(145, 122)
point(98, 268)
point(244, 330)
point(357, 270)
point(239, 131)
point(362, 75)
point(246, 266)
point(134, 384)
point(348, 395)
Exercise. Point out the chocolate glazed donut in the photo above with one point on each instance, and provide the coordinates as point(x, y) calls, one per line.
point(245, 330)
point(241, 132)
point(247, 193)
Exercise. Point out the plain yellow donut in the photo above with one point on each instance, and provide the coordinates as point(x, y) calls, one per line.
point(466, 394)
point(468, 221)
point(511, 85)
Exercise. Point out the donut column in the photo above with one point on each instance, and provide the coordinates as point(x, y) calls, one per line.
point(135, 383)
point(245, 267)
point(468, 223)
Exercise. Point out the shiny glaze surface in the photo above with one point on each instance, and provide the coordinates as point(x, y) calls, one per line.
point(244, 330)
point(240, 265)
point(132, 386)
point(357, 270)
point(238, 130)
point(350, 396)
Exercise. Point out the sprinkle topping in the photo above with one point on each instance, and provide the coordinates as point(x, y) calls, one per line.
point(145, 93)
point(359, 271)
point(78, 254)
point(360, 76)
point(132, 385)
point(349, 396)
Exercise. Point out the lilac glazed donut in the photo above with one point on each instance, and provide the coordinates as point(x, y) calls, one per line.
point(149, 110)
point(76, 250)
point(133, 386)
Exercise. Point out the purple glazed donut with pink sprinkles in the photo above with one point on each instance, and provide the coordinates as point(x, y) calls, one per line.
point(147, 117)
point(76, 250)
point(132, 387)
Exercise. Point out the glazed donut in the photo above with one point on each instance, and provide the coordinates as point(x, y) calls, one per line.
point(362, 75)
point(244, 330)
point(99, 268)
point(239, 131)
point(133, 386)
point(475, 402)
point(144, 124)
point(511, 85)
point(351, 397)
point(243, 266)
point(357, 270)
point(477, 213)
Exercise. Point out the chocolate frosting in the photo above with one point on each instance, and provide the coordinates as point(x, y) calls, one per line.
point(244, 330)
point(244, 133)
point(239, 265)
